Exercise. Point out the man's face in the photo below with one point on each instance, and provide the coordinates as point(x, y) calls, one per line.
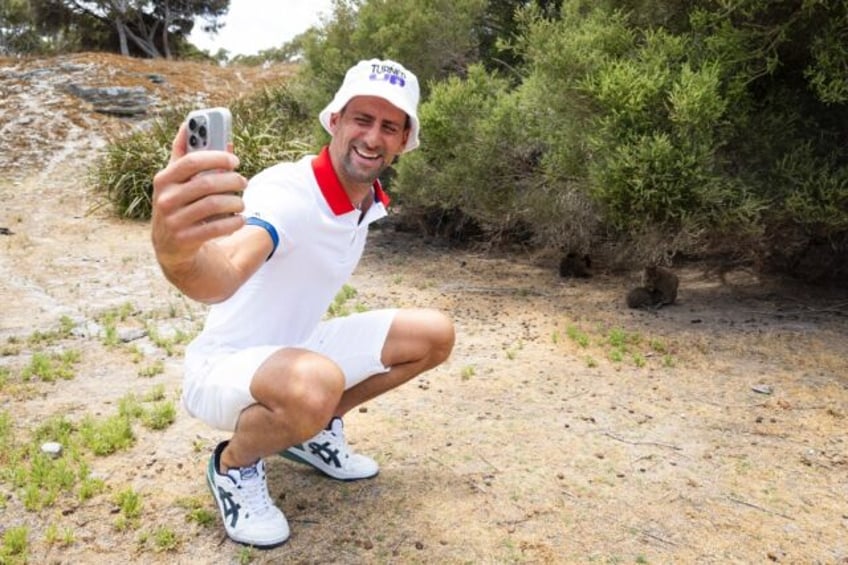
point(367, 135)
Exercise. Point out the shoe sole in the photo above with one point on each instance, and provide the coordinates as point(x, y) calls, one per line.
point(287, 454)
point(262, 546)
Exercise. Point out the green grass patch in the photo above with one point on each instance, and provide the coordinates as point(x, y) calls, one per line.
point(577, 335)
point(66, 326)
point(619, 346)
point(15, 547)
point(129, 509)
point(172, 345)
point(198, 511)
point(50, 367)
point(341, 303)
point(268, 127)
point(40, 480)
point(467, 372)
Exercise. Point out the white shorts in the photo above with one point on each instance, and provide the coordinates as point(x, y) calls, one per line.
point(218, 389)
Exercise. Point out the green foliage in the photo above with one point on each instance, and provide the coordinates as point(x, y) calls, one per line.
point(123, 175)
point(197, 511)
point(40, 27)
point(104, 437)
point(433, 38)
point(451, 120)
point(652, 130)
point(41, 479)
point(268, 127)
point(828, 66)
point(51, 367)
point(51, 26)
point(129, 504)
point(160, 415)
point(578, 336)
point(66, 325)
point(64, 538)
point(15, 546)
point(340, 307)
point(816, 189)
point(165, 539)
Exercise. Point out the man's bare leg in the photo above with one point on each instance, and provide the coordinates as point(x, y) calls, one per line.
point(296, 393)
point(418, 340)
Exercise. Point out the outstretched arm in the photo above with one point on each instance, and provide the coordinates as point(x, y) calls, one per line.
point(200, 240)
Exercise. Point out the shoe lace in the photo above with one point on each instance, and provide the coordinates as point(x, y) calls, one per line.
point(255, 494)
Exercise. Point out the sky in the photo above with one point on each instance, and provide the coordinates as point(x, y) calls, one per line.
point(254, 25)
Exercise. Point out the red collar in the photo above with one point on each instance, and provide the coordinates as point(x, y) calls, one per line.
point(332, 189)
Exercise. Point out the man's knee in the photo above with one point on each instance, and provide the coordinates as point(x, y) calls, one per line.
point(304, 388)
point(443, 336)
point(432, 335)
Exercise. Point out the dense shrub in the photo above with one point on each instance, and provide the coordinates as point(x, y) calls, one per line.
point(268, 127)
point(698, 134)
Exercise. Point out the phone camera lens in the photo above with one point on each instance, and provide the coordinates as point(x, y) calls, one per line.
point(192, 140)
point(192, 124)
point(201, 131)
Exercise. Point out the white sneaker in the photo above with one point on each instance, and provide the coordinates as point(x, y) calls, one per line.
point(250, 516)
point(329, 453)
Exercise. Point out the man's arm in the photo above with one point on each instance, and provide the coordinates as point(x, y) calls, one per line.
point(200, 240)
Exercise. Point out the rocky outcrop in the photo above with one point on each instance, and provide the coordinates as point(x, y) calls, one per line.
point(125, 101)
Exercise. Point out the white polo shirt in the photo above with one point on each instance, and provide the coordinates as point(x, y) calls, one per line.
point(319, 241)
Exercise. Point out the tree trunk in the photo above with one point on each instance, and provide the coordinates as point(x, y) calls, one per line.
point(122, 37)
point(166, 23)
point(145, 44)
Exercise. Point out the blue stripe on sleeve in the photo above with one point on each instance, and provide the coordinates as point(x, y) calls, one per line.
point(254, 221)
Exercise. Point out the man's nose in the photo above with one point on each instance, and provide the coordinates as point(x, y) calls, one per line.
point(372, 135)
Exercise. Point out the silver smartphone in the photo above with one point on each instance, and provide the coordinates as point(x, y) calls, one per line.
point(209, 128)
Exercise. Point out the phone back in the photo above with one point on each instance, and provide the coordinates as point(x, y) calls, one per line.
point(209, 128)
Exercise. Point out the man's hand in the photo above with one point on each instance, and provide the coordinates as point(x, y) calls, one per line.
point(190, 208)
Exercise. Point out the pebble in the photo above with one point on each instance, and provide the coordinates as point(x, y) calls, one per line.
point(52, 448)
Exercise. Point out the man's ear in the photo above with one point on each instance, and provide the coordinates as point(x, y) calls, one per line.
point(334, 121)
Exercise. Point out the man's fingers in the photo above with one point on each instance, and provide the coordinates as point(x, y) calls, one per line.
point(180, 233)
point(211, 228)
point(192, 164)
point(206, 209)
point(170, 197)
point(178, 146)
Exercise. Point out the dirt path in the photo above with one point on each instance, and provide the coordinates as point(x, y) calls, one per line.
point(719, 435)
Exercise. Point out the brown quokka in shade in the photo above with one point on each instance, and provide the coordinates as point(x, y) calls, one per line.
point(573, 265)
point(659, 287)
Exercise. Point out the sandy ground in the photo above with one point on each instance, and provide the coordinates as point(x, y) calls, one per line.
point(718, 436)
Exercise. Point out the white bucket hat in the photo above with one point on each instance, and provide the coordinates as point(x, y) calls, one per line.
point(385, 79)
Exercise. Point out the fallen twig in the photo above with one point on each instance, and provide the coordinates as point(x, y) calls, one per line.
point(656, 443)
point(493, 290)
point(656, 537)
point(757, 507)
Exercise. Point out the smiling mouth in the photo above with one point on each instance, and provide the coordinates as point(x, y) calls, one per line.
point(366, 155)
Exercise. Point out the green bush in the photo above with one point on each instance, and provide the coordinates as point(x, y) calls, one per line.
point(268, 126)
point(123, 175)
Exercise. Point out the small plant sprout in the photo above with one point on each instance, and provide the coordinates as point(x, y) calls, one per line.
point(129, 506)
point(165, 539)
point(577, 335)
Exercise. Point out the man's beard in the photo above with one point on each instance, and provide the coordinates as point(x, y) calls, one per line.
point(358, 175)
